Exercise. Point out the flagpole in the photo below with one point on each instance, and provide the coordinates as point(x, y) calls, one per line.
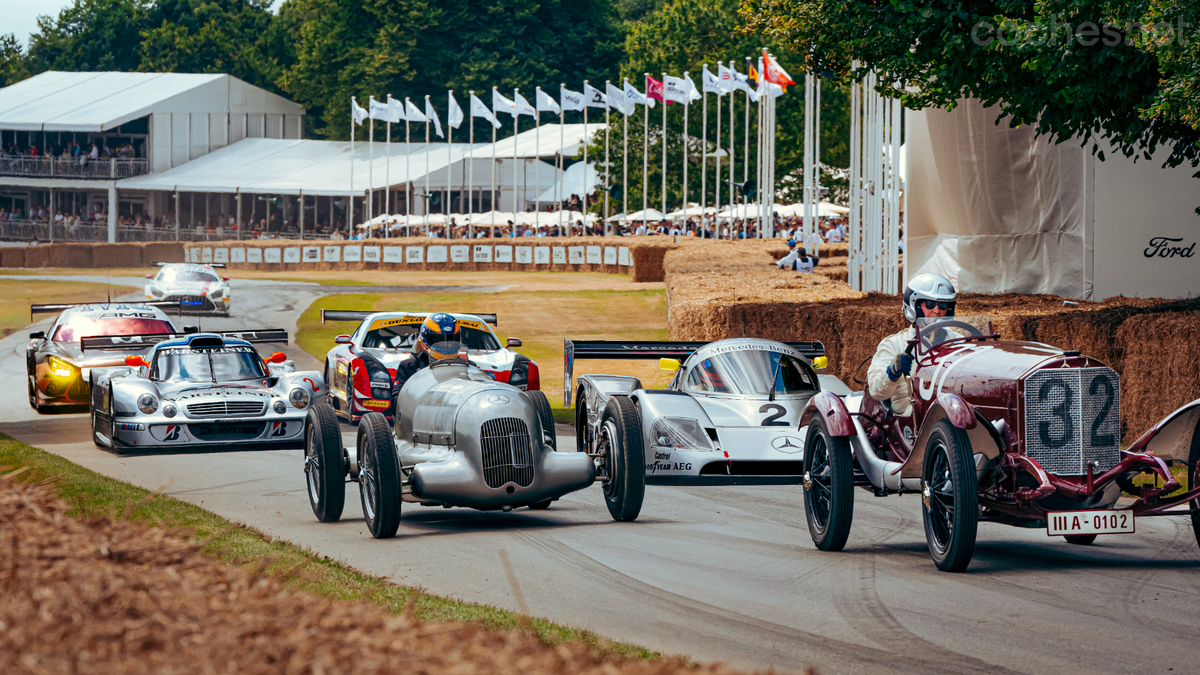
point(746, 142)
point(703, 149)
point(663, 94)
point(537, 153)
point(471, 169)
point(492, 226)
point(685, 151)
point(407, 171)
point(625, 165)
point(448, 204)
point(732, 151)
point(371, 167)
point(717, 197)
point(516, 118)
point(607, 166)
point(586, 140)
point(427, 197)
point(350, 209)
point(560, 183)
point(646, 152)
point(387, 172)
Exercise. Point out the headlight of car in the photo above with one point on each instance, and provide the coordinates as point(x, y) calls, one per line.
point(216, 294)
point(61, 367)
point(169, 411)
point(299, 397)
point(519, 375)
point(279, 407)
point(155, 292)
point(680, 433)
point(147, 404)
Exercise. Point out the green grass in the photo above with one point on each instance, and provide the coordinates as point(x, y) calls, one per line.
point(91, 494)
point(15, 315)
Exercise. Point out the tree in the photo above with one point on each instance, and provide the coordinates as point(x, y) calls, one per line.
point(90, 35)
point(418, 47)
point(13, 65)
point(1073, 69)
point(683, 36)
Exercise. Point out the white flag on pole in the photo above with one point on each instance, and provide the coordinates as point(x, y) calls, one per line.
point(743, 82)
point(693, 92)
point(712, 84)
point(675, 89)
point(359, 112)
point(501, 103)
point(726, 77)
point(522, 106)
point(412, 112)
point(478, 109)
point(432, 116)
point(594, 97)
point(454, 116)
point(616, 99)
point(636, 97)
point(377, 110)
point(545, 103)
point(571, 100)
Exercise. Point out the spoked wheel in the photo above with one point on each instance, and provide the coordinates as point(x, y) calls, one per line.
point(828, 487)
point(1080, 539)
point(948, 490)
point(324, 465)
point(378, 476)
point(542, 405)
point(622, 458)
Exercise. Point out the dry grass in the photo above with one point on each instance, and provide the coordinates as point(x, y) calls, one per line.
point(18, 294)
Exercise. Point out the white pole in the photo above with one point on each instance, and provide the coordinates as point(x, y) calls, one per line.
point(625, 167)
point(449, 163)
point(732, 153)
point(407, 167)
point(685, 155)
point(371, 169)
point(664, 143)
point(646, 151)
point(428, 198)
point(562, 128)
point(537, 154)
point(516, 119)
point(703, 150)
point(349, 200)
point(586, 140)
point(470, 171)
point(852, 243)
point(387, 169)
point(492, 226)
point(717, 197)
point(607, 166)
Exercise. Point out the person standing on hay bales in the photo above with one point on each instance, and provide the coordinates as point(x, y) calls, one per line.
point(926, 295)
point(797, 259)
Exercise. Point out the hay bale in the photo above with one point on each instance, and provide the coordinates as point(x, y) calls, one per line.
point(71, 255)
point(117, 255)
point(37, 256)
point(1162, 371)
point(12, 256)
point(162, 251)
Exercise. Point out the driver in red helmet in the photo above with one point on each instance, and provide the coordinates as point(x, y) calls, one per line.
point(926, 295)
point(439, 338)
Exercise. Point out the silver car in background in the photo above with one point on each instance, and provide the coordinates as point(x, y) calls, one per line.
point(196, 287)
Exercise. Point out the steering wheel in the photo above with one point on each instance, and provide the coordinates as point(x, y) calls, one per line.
point(972, 331)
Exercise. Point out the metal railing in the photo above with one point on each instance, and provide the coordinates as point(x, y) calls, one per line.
point(29, 230)
point(83, 167)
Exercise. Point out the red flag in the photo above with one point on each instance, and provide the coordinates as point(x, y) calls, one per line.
point(774, 73)
point(654, 89)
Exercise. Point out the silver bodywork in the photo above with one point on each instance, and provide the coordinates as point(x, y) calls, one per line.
point(464, 439)
point(206, 415)
point(750, 439)
point(213, 294)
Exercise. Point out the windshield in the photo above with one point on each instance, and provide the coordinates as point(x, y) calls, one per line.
point(404, 336)
point(186, 274)
point(83, 326)
point(936, 330)
point(229, 364)
point(750, 372)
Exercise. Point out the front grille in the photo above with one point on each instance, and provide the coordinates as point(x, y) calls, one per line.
point(507, 453)
point(226, 409)
point(1072, 418)
point(188, 300)
point(225, 432)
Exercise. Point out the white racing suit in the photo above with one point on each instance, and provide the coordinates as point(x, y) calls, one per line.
point(878, 383)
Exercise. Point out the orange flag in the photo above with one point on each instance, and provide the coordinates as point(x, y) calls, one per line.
point(774, 73)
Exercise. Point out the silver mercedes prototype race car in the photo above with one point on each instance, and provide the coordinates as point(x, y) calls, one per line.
point(728, 417)
point(58, 373)
point(460, 438)
point(200, 390)
point(196, 287)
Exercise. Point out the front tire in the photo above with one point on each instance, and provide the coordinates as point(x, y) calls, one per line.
point(1080, 539)
point(378, 476)
point(828, 487)
point(951, 506)
point(324, 465)
point(542, 405)
point(624, 459)
point(1193, 481)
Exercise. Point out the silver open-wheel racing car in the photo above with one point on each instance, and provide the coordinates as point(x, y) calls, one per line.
point(460, 439)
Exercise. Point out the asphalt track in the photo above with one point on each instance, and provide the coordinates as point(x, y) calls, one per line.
point(725, 574)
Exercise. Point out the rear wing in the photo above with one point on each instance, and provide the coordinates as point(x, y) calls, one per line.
point(51, 309)
point(616, 349)
point(219, 266)
point(139, 342)
point(355, 315)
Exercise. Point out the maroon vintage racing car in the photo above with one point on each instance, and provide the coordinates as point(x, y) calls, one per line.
point(1019, 433)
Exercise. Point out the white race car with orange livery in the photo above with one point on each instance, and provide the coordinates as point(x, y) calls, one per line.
point(361, 367)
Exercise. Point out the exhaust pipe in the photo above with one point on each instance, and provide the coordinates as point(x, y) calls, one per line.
point(880, 472)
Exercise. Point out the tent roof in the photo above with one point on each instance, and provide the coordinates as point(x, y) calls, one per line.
point(324, 168)
point(547, 141)
point(93, 102)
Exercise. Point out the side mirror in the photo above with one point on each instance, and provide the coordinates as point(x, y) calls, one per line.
point(820, 363)
point(149, 276)
point(224, 278)
point(668, 364)
point(277, 357)
point(37, 335)
point(342, 340)
point(135, 361)
point(188, 330)
point(513, 343)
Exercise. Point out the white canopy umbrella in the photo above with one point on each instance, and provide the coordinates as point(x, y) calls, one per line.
point(489, 218)
point(646, 215)
point(693, 209)
point(740, 211)
point(824, 210)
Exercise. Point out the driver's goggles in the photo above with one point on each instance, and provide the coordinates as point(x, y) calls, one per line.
point(940, 304)
point(446, 347)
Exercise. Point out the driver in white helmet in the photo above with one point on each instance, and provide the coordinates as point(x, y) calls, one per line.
point(926, 295)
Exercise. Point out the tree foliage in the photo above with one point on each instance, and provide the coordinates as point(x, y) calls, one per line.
point(13, 65)
point(1083, 69)
point(90, 35)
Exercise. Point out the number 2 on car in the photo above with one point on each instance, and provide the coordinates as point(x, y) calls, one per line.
point(1059, 523)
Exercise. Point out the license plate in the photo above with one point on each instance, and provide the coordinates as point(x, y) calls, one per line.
point(1059, 523)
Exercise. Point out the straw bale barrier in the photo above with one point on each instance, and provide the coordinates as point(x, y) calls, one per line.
point(1161, 367)
point(12, 256)
point(91, 255)
point(114, 596)
point(37, 256)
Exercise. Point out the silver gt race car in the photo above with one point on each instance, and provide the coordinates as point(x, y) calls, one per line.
point(728, 417)
point(58, 373)
point(460, 438)
point(196, 287)
point(201, 390)
point(361, 367)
